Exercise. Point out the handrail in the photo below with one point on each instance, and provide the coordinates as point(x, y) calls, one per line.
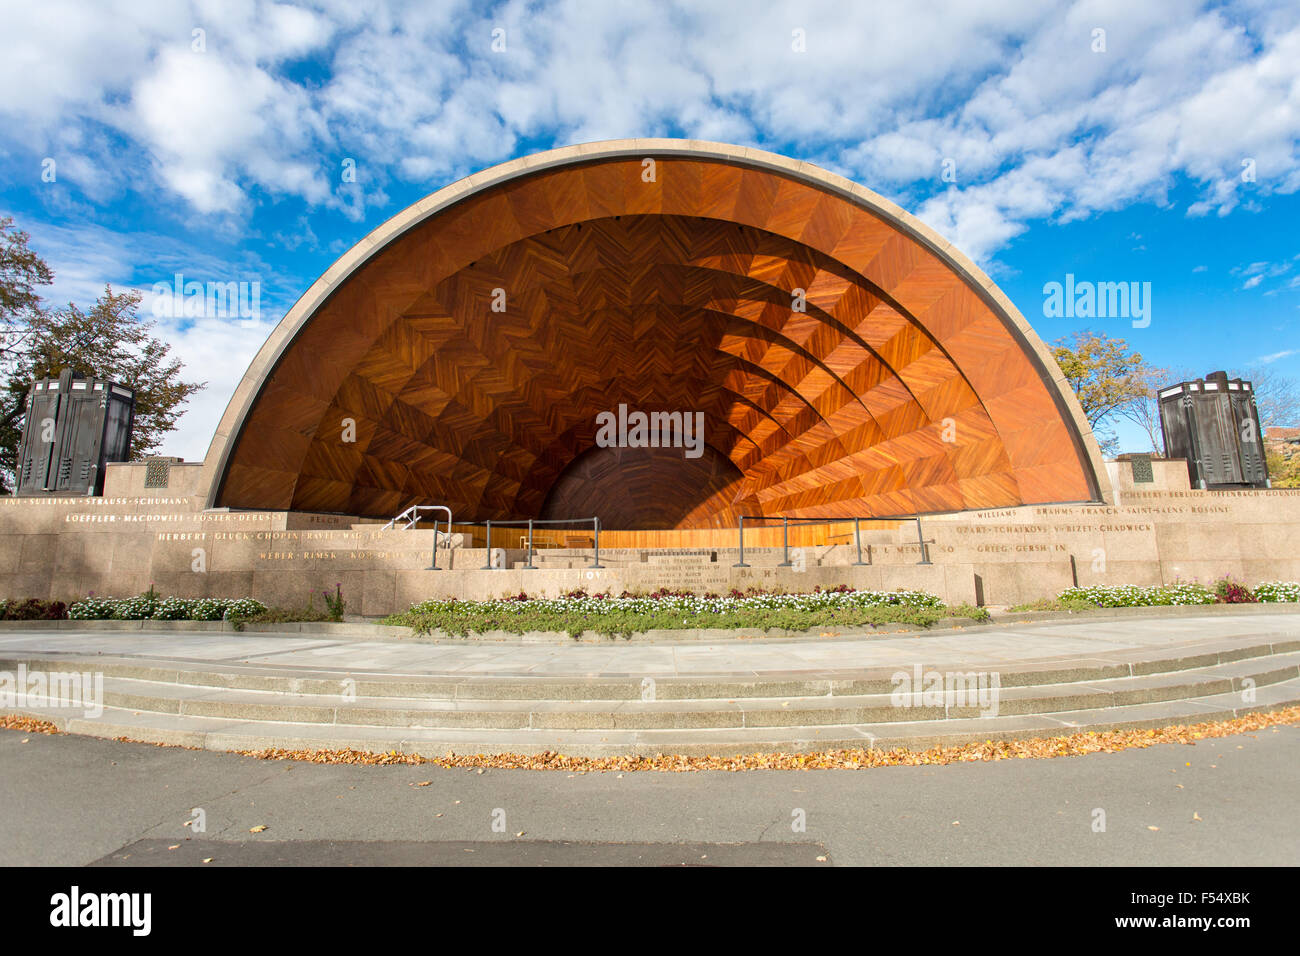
point(413, 515)
point(857, 534)
point(528, 565)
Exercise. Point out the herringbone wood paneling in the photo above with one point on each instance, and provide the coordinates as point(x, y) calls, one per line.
point(894, 388)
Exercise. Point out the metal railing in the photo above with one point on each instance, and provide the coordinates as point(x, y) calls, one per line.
point(857, 534)
point(412, 518)
point(528, 563)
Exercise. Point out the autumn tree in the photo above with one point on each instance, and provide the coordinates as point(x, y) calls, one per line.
point(108, 340)
point(1107, 377)
point(1283, 469)
point(21, 272)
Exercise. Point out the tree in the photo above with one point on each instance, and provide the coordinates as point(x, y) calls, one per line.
point(1107, 377)
point(1283, 469)
point(21, 271)
point(109, 340)
point(1144, 411)
point(1277, 397)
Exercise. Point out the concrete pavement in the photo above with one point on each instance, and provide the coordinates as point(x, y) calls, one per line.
point(1002, 645)
point(76, 800)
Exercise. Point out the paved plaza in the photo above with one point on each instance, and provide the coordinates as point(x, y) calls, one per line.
point(1077, 641)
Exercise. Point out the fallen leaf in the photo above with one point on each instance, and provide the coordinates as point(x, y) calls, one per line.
point(1153, 828)
point(1074, 744)
point(258, 829)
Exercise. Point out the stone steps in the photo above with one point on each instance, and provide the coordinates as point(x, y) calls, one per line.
point(221, 703)
point(1248, 649)
point(214, 733)
point(695, 712)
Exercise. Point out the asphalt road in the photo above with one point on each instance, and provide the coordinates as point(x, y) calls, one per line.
point(74, 800)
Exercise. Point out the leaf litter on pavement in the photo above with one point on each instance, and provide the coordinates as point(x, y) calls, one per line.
point(1072, 745)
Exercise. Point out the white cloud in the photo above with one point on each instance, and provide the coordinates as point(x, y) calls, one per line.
point(215, 351)
point(1038, 124)
point(1269, 359)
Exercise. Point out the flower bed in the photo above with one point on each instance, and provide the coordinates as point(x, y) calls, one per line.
point(152, 607)
point(1271, 592)
point(1225, 591)
point(629, 614)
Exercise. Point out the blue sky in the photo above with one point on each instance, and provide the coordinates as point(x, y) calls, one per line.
point(1100, 139)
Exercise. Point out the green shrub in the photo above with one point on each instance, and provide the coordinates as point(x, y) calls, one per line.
point(334, 603)
point(971, 611)
point(1073, 604)
point(33, 609)
point(278, 615)
point(1229, 591)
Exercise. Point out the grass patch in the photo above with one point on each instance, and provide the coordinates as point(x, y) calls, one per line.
point(280, 615)
point(1056, 604)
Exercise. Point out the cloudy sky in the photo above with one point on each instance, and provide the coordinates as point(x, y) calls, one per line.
point(255, 142)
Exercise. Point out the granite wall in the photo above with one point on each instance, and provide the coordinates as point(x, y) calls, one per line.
point(65, 548)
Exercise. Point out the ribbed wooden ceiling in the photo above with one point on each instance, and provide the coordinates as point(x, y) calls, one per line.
point(671, 295)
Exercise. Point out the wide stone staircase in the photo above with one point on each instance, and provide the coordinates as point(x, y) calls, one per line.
point(247, 706)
